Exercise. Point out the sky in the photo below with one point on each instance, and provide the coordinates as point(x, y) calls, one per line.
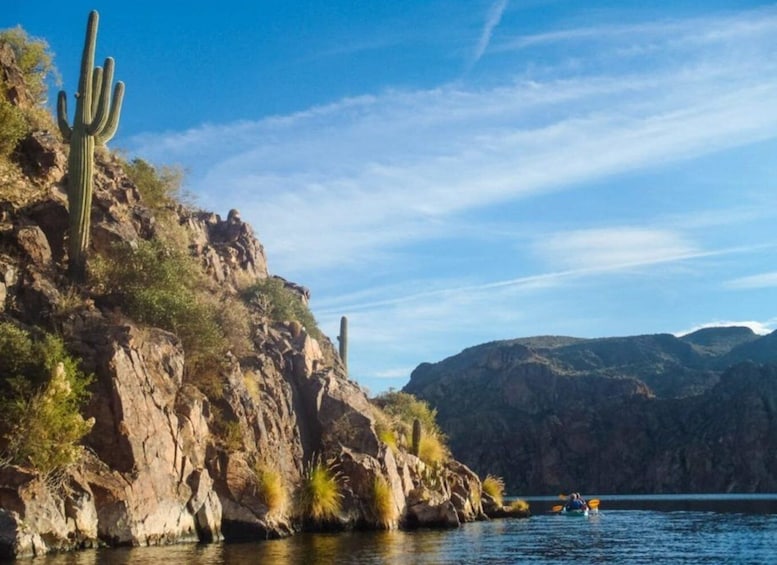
point(448, 173)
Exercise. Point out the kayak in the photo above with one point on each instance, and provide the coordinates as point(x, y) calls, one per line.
point(574, 513)
point(592, 508)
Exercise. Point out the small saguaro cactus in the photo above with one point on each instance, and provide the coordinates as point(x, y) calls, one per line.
point(415, 448)
point(95, 122)
point(343, 339)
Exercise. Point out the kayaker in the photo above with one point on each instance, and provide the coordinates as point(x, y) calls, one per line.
point(575, 502)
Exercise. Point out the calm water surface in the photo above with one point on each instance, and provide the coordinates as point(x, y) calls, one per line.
point(668, 529)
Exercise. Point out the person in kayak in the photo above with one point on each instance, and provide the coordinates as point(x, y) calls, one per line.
point(576, 502)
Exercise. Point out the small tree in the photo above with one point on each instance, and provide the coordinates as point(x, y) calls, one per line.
point(42, 393)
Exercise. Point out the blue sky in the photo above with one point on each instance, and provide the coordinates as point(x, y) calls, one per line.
point(447, 173)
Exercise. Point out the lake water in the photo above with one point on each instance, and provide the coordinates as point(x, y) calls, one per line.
point(628, 530)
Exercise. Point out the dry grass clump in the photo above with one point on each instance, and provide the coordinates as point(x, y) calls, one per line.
point(518, 505)
point(318, 496)
point(494, 487)
point(432, 450)
point(382, 503)
point(271, 490)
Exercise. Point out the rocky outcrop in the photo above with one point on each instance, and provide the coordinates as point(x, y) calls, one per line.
point(171, 458)
point(652, 414)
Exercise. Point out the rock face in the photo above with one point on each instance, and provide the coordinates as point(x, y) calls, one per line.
point(164, 461)
point(643, 414)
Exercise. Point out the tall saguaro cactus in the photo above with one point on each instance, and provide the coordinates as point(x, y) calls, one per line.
point(95, 122)
point(343, 339)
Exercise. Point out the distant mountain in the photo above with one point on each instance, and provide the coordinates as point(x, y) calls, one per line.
point(649, 413)
point(719, 341)
point(761, 350)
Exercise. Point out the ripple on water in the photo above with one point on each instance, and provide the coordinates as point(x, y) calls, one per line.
point(617, 536)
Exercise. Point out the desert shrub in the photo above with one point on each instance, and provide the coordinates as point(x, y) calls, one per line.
point(34, 59)
point(13, 126)
point(406, 408)
point(270, 489)
point(227, 432)
point(233, 317)
point(402, 409)
point(281, 304)
point(382, 503)
point(318, 496)
point(42, 393)
point(494, 487)
point(158, 186)
point(158, 285)
point(232, 437)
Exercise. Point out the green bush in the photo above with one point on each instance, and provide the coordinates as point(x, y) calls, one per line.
point(34, 59)
point(42, 394)
point(158, 187)
point(281, 304)
point(404, 408)
point(160, 286)
point(13, 126)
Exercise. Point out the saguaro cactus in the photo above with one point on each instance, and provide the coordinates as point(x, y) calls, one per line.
point(343, 339)
point(415, 447)
point(95, 122)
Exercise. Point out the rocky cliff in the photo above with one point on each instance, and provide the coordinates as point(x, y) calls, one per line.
point(643, 414)
point(169, 459)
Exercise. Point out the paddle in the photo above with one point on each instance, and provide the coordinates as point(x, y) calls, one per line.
point(557, 508)
point(593, 503)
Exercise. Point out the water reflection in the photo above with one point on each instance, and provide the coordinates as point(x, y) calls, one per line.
point(629, 530)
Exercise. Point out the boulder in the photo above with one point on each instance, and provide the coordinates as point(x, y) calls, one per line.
point(35, 517)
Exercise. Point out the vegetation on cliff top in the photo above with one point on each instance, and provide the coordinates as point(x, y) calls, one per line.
point(156, 281)
point(396, 428)
point(35, 62)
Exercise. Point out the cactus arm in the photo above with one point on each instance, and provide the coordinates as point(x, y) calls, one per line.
point(97, 78)
point(112, 123)
point(64, 127)
point(103, 97)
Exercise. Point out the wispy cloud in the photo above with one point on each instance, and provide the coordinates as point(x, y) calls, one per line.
point(587, 253)
point(371, 174)
point(493, 18)
point(713, 30)
point(604, 248)
point(762, 280)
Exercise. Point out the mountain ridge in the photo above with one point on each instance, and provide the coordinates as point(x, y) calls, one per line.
point(589, 413)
